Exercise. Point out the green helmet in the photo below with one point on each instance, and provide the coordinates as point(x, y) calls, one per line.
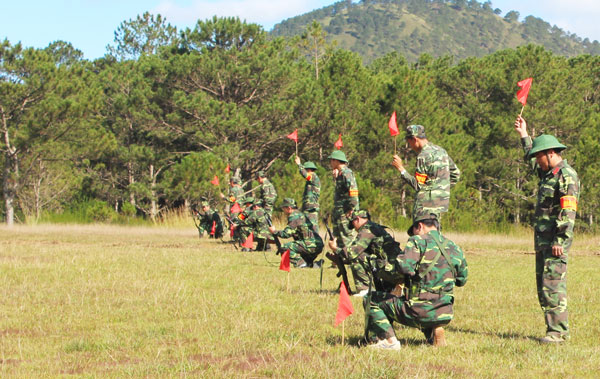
point(289, 202)
point(421, 217)
point(310, 165)
point(261, 174)
point(338, 155)
point(545, 142)
point(415, 131)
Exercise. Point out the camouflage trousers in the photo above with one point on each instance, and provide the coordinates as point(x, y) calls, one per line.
point(386, 308)
point(360, 275)
point(551, 281)
point(305, 250)
point(313, 217)
point(341, 228)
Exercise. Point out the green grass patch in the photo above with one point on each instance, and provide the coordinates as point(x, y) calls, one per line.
point(110, 301)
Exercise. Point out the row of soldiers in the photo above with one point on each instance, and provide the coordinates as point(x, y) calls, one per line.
point(414, 286)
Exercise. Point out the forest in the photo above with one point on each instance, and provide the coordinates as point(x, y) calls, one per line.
point(145, 129)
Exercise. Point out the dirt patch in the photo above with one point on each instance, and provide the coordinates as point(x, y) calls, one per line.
point(9, 362)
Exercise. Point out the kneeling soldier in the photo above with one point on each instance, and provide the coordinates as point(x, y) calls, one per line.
point(372, 252)
point(433, 265)
point(209, 221)
point(307, 244)
point(253, 220)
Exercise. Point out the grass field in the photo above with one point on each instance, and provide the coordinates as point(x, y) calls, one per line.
point(108, 301)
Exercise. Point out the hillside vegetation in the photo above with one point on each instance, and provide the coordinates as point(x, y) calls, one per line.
point(458, 28)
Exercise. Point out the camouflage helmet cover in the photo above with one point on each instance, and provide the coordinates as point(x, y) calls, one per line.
point(418, 218)
point(415, 131)
point(289, 202)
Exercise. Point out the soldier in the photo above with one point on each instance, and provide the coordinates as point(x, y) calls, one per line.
point(236, 192)
point(433, 265)
point(555, 211)
point(312, 191)
point(253, 220)
point(345, 197)
point(435, 172)
point(266, 193)
point(372, 251)
point(209, 221)
point(307, 244)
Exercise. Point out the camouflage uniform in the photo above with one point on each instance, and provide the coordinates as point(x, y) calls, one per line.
point(373, 250)
point(253, 219)
point(209, 220)
point(266, 195)
point(310, 197)
point(555, 211)
point(235, 195)
point(307, 244)
point(345, 198)
point(430, 300)
point(435, 172)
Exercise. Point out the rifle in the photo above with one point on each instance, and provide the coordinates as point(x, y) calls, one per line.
point(280, 249)
point(337, 260)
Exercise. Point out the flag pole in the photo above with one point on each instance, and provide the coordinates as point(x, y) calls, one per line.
point(296, 148)
point(395, 139)
point(287, 287)
point(343, 323)
point(522, 108)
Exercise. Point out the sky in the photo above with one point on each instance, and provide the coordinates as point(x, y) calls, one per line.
point(89, 25)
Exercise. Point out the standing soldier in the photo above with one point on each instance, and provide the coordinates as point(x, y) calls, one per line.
point(235, 195)
point(433, 265)
point(345, 199)
point(307, 244)
point(372, 252)
point(312, 191)
point(435, 172)
point(555, 211)
point(266, 194)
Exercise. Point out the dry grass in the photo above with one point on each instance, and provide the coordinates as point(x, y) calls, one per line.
point(109, 301)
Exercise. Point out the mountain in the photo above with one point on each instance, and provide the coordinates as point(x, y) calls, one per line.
point(459, 28)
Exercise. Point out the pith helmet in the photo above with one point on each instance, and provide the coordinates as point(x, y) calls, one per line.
point(545, 142)
point(310, 165)
point(338, 155)
point(421, 217)
point(289, 202)
point(415, 131)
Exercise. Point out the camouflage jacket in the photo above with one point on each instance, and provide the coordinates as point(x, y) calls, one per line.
point(299, 228)
point(431, 287)
point(255, 218)
point(556, 208)
point(435, 172)
point(206, 220)
point(312, 190)
point(345, 196)
point(376, 250)
point(235, 194)
point(266, 194)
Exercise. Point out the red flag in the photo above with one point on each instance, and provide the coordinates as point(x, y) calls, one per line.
point(339, 144)
point(393, 125)
point(235, 208)
point(227, 169)
point(284, 265)
point(525, 85)
point(215, 181)
point(345, 307)
point(249, 243)
point(293, 136)
point(213, 229)
point(231, 230)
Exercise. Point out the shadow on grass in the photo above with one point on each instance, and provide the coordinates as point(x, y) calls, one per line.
point(509, 336)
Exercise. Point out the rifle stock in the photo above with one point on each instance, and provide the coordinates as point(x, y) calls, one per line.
point(275, 238)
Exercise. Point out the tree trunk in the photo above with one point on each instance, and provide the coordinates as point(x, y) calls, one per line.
point(131, 179)
point(11, 173)
point(153, 207)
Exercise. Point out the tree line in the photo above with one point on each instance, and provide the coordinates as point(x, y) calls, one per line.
point(147, 127)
